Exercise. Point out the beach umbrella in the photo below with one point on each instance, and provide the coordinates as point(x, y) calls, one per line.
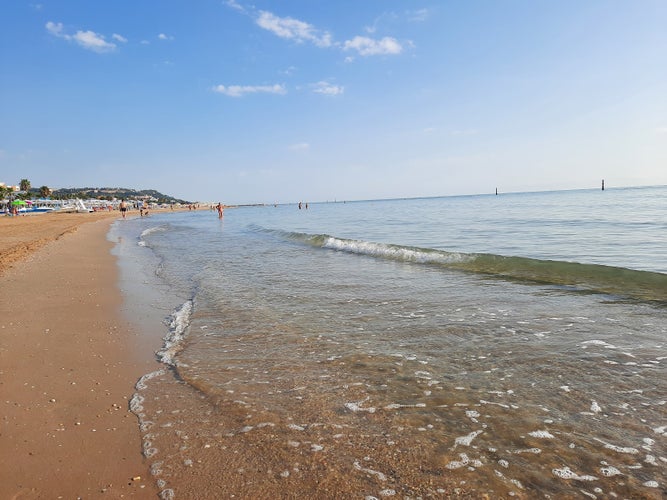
point(18, 202)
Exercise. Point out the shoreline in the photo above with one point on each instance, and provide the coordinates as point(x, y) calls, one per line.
point(69, 361)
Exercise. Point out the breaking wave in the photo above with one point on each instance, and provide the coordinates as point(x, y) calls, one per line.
point(623, 282)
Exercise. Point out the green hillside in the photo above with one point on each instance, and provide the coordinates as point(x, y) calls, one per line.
point(108, 193)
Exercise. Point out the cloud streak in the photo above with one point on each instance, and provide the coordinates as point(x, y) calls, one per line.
point(327, 88)
point(293, 29)
point(241, 90)
point(299, 31)
point(366, 46)
point(89, 40)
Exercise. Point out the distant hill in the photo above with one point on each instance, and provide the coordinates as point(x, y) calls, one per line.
point(108, 193)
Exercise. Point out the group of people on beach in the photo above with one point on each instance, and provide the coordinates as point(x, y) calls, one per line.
point(123, 207)
point(11, 210)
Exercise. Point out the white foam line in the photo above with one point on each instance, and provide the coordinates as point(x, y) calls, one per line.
point(619, 449)
point(492, 403)
point(395, 406)
point(535, 451)
point(141, 383)
point(457, 464)
point(180, 319)
point(566, 473)
point(541, 434)
point(356, 406)
point(466, 440)
point(610, 471)
point(372, 472)
point(602, 343)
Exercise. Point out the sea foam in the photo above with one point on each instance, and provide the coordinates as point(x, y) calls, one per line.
point(178, 324)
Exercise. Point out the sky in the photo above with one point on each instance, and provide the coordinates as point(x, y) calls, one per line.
point(322, 100)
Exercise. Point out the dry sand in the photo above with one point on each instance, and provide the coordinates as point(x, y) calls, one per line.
point(68, 363)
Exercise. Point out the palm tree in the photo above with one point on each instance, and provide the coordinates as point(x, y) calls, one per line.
point(44, 191)
point(24, 185)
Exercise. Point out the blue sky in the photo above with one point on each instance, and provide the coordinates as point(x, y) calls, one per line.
point(281, 101)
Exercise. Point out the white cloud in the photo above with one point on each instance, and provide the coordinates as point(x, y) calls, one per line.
point(119, 38)
point(87, 39)
point(293, 29)
point(54, 28)
point(235, 5)
point(289, 71)
point(162, 36)
point(301, 31)
point(327, 88)
point(241, 90)
point(418, 15)
point(93, 41)
point(371, 47)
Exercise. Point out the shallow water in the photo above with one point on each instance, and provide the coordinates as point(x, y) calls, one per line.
point(366, 349)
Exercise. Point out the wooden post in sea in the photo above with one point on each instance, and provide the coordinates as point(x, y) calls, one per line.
point(496, 191)
point(602, 184)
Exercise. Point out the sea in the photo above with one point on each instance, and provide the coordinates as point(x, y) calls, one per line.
point(486, 346)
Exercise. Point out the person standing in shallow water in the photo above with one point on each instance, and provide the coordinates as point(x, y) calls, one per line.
point(123, 208)
point(220, 210)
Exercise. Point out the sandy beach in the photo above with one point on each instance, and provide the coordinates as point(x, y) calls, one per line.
point(68, 363)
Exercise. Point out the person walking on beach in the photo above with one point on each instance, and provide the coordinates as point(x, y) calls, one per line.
point(220, 210)
point(123, 208)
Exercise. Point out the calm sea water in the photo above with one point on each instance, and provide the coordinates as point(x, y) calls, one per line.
point(511, 345)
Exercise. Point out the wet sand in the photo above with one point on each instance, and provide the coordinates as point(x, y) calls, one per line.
point(68, 363)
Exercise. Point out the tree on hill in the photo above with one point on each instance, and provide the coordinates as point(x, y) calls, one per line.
point(114, 193)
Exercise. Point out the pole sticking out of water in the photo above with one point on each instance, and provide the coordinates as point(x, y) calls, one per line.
point(602, 184)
